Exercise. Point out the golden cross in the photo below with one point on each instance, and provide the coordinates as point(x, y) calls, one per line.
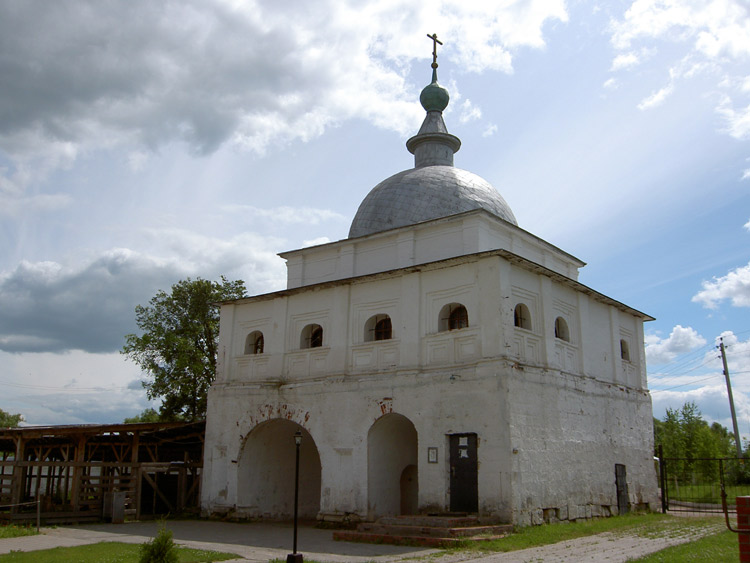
point(435, 42)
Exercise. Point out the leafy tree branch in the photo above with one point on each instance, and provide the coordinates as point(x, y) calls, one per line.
point(178, 345)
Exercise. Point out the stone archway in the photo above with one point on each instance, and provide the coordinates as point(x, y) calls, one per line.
point(392, 481)
point(265, 472)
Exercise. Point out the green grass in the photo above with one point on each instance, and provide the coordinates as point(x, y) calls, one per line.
point(107, 552)
point(706, 493)
point(14, 531)
point(717, 548)
point(644, 525)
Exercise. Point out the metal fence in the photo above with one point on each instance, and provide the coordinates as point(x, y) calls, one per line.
point(695, 485)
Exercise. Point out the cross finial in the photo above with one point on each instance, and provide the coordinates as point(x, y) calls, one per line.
point(435, 42)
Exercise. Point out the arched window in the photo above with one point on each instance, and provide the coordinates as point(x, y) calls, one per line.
point(311, 337)
point(625, 350)
point(453, 316)
point(254, 343)
point(378, 327)
point(522, 317)
point(561, 329)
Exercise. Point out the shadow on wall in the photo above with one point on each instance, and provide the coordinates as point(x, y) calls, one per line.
point(265, 479)
point(392, 481)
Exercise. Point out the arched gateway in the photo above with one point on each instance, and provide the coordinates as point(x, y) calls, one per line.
point(265, 478)
point(392, 482)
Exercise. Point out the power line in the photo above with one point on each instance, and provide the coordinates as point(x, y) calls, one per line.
point(677, 376)
point(687, 358)
point(684, 384)
point(692, 382)
point(679, 362)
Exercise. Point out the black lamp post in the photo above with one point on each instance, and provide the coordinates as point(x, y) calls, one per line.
point(296, 557)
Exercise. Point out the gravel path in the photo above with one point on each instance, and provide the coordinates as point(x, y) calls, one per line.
point(611, 547)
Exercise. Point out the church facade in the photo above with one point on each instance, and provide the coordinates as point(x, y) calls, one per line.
point(439, 359)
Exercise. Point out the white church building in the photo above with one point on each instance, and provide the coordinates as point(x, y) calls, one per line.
point(440, 359)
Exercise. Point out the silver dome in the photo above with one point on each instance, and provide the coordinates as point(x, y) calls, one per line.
point(425, 193)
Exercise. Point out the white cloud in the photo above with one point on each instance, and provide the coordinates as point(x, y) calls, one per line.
point(711, 37)
point(737, 121)
point(626, 60)
point(680, 341)
point(71, 388)
point(469, 112)
point(485, 34)
point(79, 77)
point(703, 383)
point(656, 99)
point(315, 241)
point(490, 130)
point(287, 215)
point(611, 84)
point(735, 286)
point(51, 306)
point(11, 206)
point(737, 352)
point(711, 399)
point(715, 27)
point(137, 160)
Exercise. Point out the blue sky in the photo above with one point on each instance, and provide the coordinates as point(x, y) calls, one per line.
point(141, 143)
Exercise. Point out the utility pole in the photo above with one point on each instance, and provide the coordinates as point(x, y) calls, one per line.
point(731, 399)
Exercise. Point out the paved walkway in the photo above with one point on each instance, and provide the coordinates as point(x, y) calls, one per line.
point(252, 542)
point(262, 542)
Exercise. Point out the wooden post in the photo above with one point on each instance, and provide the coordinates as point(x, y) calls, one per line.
point(139, 477)
point(743, 526)
point(79, 457)
point(18, 471)
point(135, 473)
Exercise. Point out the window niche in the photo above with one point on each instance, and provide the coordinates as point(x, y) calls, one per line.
point(378, 327)
point(453, 316)
point(311, 337)
point(561, 329)
point(522, 317)
point(254, 343)
point(624, 350)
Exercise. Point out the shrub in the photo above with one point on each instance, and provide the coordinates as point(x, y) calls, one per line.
point(161, 549)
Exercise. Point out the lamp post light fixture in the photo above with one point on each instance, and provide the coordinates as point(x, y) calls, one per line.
point(295, 557)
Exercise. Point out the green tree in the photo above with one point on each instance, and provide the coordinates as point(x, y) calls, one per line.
point(146, 415)
point(724, 440)
point(668, 434)
point(178, 347)
point(8, 420)
point(686, 437)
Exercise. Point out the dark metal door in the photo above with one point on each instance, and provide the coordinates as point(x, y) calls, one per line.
point(621, 482)
point(464, 466)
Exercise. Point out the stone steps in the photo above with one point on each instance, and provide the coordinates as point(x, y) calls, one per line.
point(426, 531)
point(450, 521)
point(432, 531)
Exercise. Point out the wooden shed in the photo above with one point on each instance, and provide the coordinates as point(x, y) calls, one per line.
point(72, 473)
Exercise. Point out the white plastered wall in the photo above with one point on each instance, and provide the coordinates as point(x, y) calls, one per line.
point(548, 433)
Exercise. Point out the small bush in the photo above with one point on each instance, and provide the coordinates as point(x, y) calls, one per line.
point(161, 549)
